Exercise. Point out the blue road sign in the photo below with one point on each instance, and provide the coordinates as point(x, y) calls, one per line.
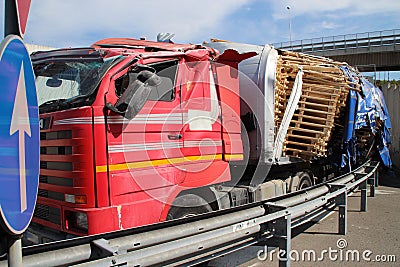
point(19, 136)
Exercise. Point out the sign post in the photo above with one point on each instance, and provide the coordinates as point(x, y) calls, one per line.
point(19, 133)
point(15, 253)
point(19, 146)
point(16, 16)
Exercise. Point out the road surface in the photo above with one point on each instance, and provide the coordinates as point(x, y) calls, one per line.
point(373, 237)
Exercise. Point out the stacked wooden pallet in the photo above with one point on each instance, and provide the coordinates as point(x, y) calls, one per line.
point(324, 92)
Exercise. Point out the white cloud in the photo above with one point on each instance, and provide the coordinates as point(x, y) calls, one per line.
point(329, 25)
point(81, 22)
point(320, 7)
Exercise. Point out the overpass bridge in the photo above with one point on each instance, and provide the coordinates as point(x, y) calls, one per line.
point(369, 51)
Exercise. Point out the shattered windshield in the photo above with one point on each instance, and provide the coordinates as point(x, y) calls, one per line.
point(69, 80)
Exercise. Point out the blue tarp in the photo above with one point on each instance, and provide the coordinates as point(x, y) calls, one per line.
point(364, 108)
point(349, 155)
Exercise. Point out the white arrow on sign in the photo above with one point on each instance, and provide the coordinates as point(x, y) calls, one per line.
point(20, 123)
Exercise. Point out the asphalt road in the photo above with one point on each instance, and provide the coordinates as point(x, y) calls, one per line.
point(372, 236)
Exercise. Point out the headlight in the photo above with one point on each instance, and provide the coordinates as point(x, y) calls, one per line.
point(81, 221)
point(75, 199)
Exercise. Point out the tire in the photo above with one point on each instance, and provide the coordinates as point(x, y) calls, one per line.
point(305, 181)
point(188, 205)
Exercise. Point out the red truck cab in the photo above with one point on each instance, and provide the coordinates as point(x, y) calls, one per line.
point(129, 128)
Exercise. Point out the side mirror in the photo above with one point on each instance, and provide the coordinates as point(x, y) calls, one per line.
point(135, 96)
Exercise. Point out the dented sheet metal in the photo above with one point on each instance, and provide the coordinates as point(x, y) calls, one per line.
point(149, 45)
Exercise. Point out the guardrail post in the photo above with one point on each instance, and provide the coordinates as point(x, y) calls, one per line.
point(282, 233)
point(341, 202)
point(371, 182)
point(363, 188)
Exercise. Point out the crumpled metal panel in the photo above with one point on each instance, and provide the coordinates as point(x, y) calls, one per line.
point(369, 107)
point(129, 42)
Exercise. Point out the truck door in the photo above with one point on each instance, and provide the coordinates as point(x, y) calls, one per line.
point(201, 131)
point(144, 151)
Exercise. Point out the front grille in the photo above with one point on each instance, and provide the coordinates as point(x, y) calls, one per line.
point(56, 163)
point(56, 150)
point(61, 166)
point(51, 194)
point(66, 178)
point(43, 193)
point(47, 213)
point(56, 180)
point(67, 134)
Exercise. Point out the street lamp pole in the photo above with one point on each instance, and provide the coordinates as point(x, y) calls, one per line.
point(290, 27)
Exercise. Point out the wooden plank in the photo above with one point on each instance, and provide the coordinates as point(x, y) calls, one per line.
point(303, 152)
point(308, 131)
point(324, 126)
point(300, 144)
point(307, 103)
point(318, 111)
point(323, 88)
point(330, 101)
point(330, 93)
point(314, 139)
point(315, 118)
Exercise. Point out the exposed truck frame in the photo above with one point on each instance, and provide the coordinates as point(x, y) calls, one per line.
point(136, 132)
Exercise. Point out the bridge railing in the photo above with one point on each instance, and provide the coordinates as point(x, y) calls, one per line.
point(343, 42)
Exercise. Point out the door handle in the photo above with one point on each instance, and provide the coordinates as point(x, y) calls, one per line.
point(174, 136)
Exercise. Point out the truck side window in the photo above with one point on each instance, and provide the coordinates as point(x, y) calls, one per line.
point(164, 91)
point(167, 72)
point(122, 83)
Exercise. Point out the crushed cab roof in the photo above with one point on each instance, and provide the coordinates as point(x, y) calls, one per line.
point(148, 45)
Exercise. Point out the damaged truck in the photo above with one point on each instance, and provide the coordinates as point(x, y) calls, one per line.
point(136, 132)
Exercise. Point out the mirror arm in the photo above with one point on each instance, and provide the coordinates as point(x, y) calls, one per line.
point(114, 109)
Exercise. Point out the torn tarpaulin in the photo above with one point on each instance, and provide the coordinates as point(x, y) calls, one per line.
point(364, 110)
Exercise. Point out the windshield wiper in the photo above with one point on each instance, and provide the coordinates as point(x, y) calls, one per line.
point(75, 99)
point(54, 104)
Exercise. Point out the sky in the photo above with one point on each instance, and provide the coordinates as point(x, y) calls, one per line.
point(71, 23)
point(60, 23)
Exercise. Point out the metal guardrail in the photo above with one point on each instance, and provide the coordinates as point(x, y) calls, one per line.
point(343, 42)
point(190, 241)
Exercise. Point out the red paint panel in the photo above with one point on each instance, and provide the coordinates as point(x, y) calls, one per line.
point(100, 157)
point(208, 173)
point(100, 220)
point(232, 144)
point(196, 82)
point(228, 89)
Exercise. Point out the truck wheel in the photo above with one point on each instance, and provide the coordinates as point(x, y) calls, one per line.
point(188, 205)
point(305, 180)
